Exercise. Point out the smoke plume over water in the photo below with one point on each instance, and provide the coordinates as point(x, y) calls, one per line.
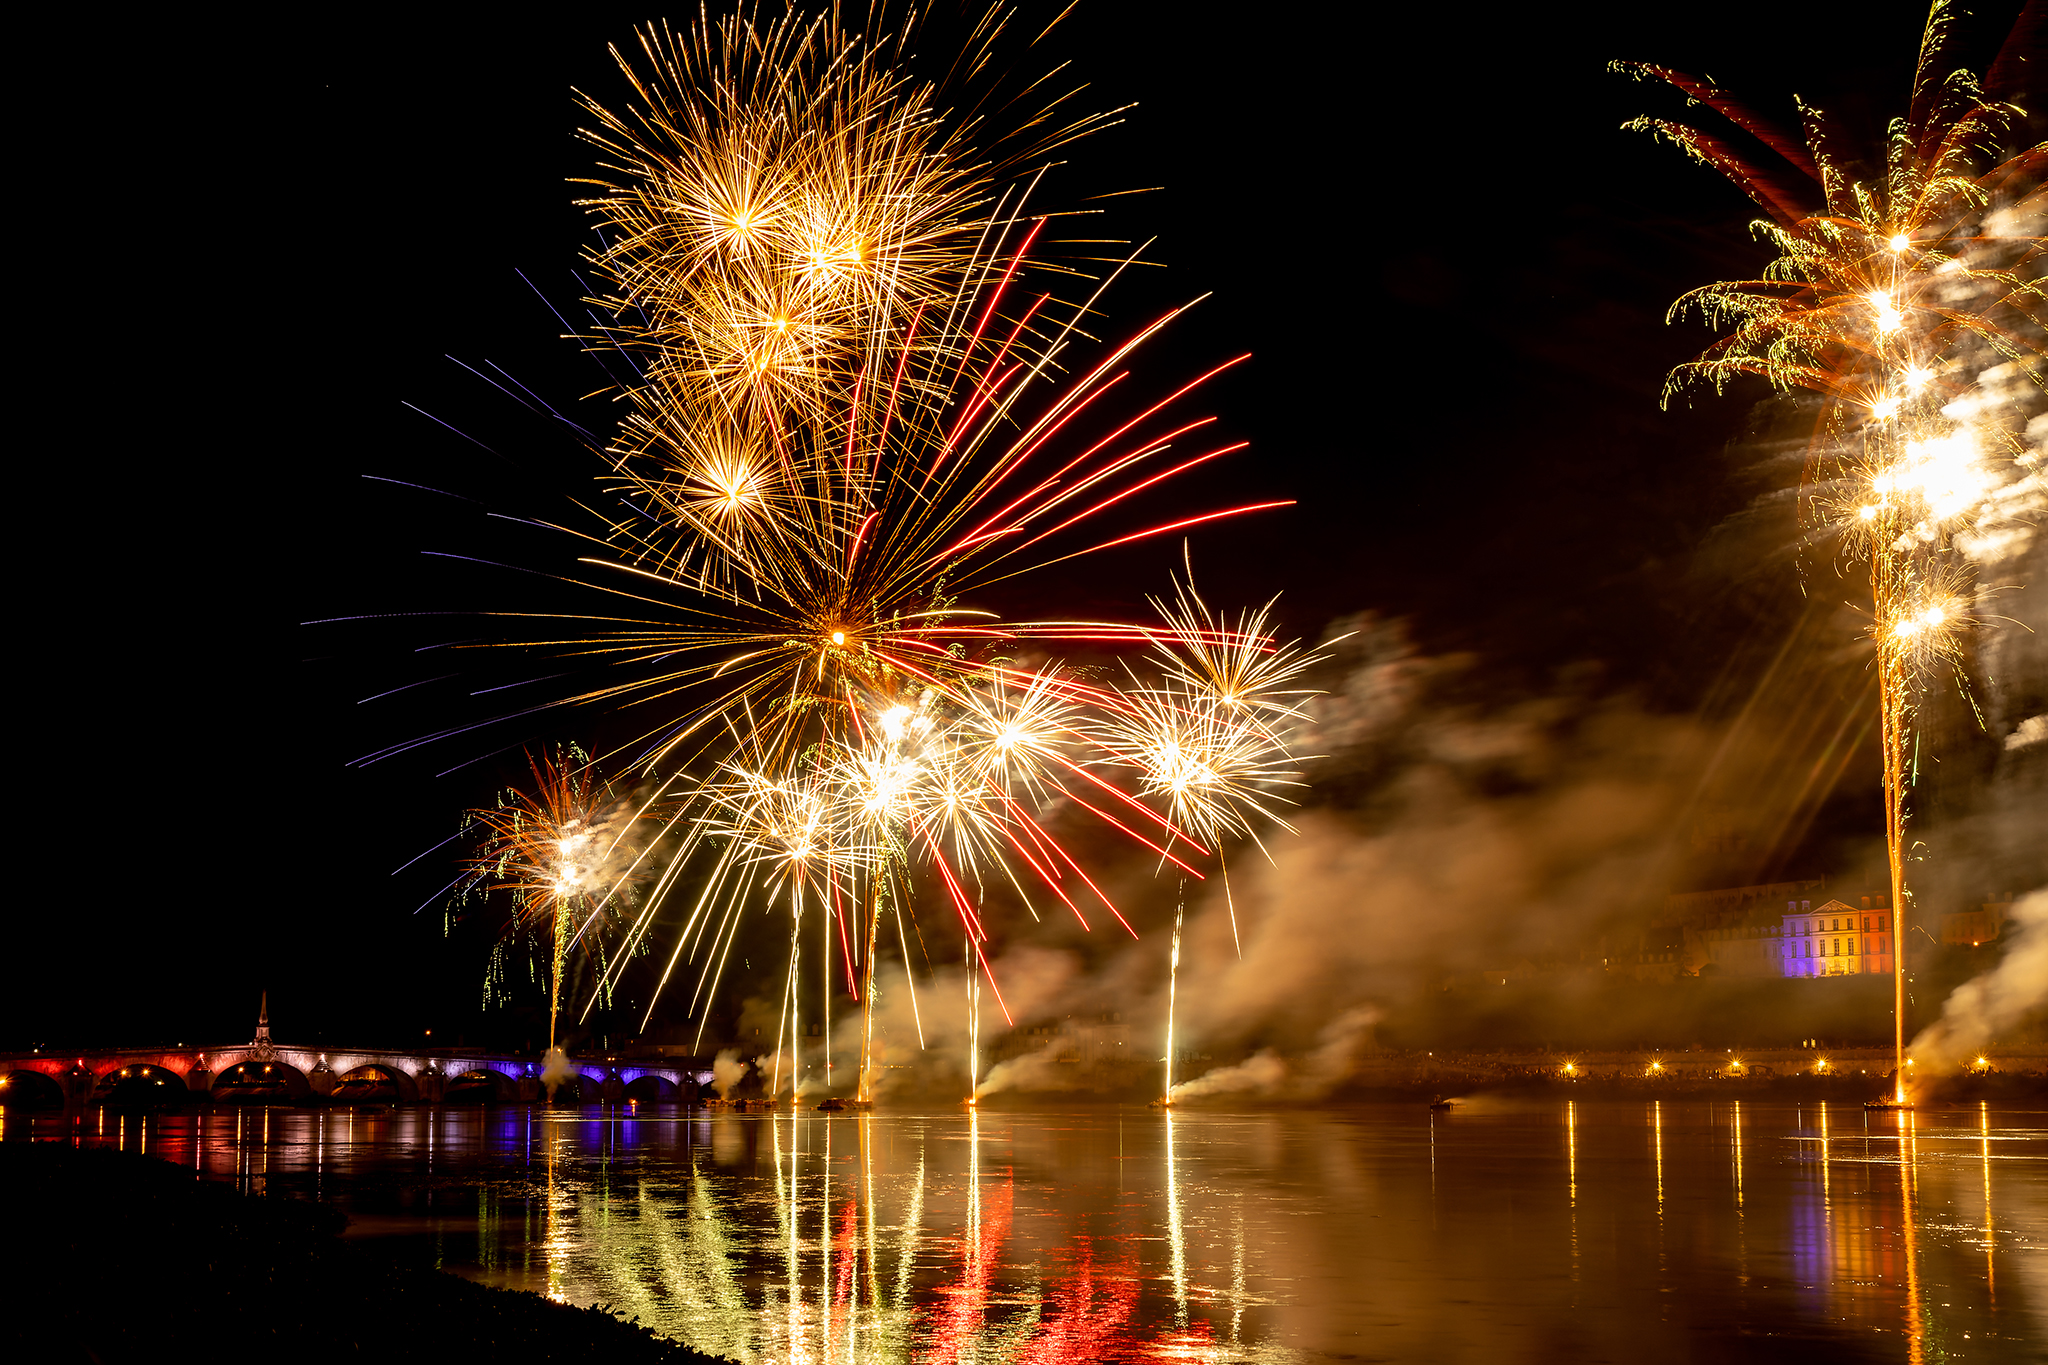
point(1468, 871)
point(2010, 994)
point(555, 1069)
point(1452, 838)
point(727, 1070)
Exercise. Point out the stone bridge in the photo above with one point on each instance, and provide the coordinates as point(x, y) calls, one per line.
point(262, 1069)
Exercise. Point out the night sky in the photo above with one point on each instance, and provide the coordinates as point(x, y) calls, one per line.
point(1450, 263)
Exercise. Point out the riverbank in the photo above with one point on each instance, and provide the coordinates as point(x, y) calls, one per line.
point(1954, 1092)
point(1837, 1075)
point(123, 1257)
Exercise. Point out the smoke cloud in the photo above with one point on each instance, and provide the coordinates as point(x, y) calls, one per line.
point(1034, 1072)
point(1467, 871)
point(1452, 836)
point(727, 1070)
point(1267, 1074)
point(2008, 995)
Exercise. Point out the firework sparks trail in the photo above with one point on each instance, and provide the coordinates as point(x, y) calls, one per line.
point(1911, 304)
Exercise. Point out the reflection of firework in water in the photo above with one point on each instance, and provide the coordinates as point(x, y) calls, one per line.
point(1910, 303)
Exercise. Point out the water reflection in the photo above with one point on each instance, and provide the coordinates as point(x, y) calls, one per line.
point(1984, 1147)
point(1908, 1153)
point(1737, 1140)
point(1657, 1142)
point(1174, 1234)
point(1571, 1148)
point(1102, 1235)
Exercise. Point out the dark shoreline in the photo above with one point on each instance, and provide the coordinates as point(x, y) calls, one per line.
point(125, 1257)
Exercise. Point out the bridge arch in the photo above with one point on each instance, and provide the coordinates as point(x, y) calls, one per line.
point(654, 1087)
point(373, 1083)
point(138, 1084)
point(478, 1085)
point(259, 1082)
point(31, 1090)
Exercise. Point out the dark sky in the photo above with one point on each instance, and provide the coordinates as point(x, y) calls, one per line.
point(1450, 263)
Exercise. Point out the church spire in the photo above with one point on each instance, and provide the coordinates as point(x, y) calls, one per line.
point(262, 1043)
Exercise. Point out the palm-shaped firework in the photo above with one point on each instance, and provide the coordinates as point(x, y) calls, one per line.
point(1911, 303)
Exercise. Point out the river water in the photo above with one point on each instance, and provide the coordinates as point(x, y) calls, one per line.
point(1505, 1230)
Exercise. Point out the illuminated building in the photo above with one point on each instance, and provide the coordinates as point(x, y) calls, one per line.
point(1742, 931)
point(1835, 938)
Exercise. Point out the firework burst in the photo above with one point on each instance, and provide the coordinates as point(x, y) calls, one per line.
point(856, 408)
point(803, 587)
point(566, 852)
point(781, 201)
point(1212, 735)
